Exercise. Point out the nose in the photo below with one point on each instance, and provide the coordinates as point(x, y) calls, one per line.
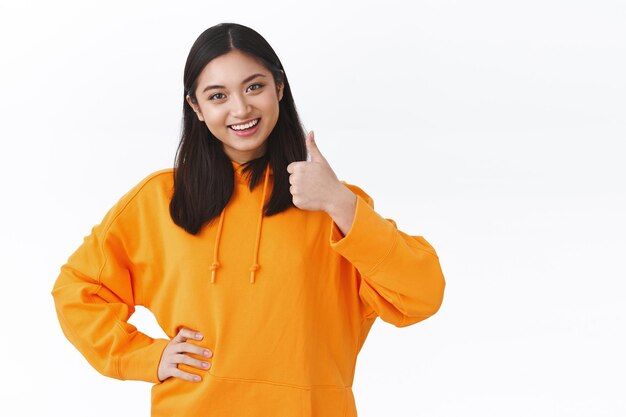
point(241, 107)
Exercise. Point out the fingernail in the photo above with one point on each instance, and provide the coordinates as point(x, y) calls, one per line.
point(198, 335)
point(207, 353)
point(196, 378)
point(205, 364)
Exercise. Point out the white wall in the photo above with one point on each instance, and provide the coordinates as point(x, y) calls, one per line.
point(494, 129)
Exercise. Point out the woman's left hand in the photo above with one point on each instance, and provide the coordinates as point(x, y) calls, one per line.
point(314, 185)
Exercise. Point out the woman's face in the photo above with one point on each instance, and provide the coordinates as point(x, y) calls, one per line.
point(233, 90)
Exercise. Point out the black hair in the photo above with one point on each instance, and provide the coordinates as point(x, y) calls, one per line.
point(203, 173)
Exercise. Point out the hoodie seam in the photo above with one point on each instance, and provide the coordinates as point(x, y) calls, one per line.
point(74, 336)
point(402, 306)
point(117, 367)
point(283, 384)
point(393, 245)
point(118, 214)
point(118, 358)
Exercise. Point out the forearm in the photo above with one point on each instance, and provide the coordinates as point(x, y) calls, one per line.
point(401, 277)
point(341, 208)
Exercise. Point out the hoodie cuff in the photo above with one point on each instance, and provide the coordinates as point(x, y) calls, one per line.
point(143, 364)
point(369, 240)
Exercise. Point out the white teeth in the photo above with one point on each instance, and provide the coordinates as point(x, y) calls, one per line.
point(245, 126)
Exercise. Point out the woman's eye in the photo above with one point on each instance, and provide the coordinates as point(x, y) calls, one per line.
point(256, 84)
point(220, 96)
point(213, 97)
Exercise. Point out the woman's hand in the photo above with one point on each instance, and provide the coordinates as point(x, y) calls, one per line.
point(174, 353)
point(314, 185)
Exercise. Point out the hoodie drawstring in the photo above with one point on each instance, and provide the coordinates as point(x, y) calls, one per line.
point(255, 264)
point(216, 263)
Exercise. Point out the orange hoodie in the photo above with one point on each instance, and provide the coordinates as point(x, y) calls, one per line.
point(284, 302)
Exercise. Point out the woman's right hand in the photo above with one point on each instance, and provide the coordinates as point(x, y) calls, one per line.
point(174, 353)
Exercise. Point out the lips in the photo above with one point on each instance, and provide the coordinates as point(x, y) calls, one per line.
point(251, 131)
point(246, 122)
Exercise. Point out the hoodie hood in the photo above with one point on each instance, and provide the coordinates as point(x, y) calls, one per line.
point(240, 178)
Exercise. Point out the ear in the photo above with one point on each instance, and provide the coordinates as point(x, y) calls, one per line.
point(279, 91)
point(195, 108)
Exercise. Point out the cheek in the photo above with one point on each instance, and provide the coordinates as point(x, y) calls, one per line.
point(214, 120)
point(272, 107)
point(216, 126)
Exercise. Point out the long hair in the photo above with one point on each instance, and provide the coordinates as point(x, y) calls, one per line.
point(203, 173)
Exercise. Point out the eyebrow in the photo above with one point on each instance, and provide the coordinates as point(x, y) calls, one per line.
point(250, 78)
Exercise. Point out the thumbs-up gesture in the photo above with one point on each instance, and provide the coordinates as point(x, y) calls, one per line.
point(314, 185)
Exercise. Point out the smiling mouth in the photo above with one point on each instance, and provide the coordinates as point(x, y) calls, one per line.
point(251, 125)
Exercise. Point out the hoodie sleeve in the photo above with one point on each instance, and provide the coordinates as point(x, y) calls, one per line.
point(401, 280)
point(94, 297)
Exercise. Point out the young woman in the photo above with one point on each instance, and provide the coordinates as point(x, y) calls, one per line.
point(265, 271)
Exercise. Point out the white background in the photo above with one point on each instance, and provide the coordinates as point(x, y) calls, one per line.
point(493, 129)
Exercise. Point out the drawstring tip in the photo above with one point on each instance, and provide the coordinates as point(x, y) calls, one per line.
point(214, 266)
point(253, 270)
